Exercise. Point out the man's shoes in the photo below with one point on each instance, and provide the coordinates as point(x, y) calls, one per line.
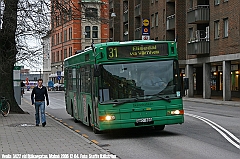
point(37, 124)
point(43, 124)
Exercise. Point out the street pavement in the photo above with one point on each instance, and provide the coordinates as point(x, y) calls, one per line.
point(20, 138)
point(214, 100)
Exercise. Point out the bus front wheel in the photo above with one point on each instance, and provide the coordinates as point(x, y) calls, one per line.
point(96, 131)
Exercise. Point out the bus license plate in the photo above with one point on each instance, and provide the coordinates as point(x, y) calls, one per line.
point(144, 120)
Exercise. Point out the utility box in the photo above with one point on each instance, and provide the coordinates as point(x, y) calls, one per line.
point(17, 83)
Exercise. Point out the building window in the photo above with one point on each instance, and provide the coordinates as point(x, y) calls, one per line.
point(53, 57)
point(225, 21)
point(65, 35)
point(217, 2)
point(70, 33)
point(191, 38)
point(70, 51)
point(53, 40)
point(57, 38)
point(70, 14)
point(95, 32)
point(57, 56)
point(216, 29)
point(65, 53)
point(191, 4)
point(152, 20)
point(61, 37)
point(163, 16)
point(91, 13)
point(87, 31)
point(156, 19)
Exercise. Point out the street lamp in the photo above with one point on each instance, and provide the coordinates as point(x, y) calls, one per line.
point(113, 15)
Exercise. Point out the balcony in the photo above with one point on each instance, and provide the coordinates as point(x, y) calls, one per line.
point(125, 16)
point(137, 11)
point(171, 22)
point(198, 47)
point(198, 15)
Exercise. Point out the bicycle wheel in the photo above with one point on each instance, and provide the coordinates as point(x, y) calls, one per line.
point(5, 108)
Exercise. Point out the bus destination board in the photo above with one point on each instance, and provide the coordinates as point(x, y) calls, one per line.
point(114, 52)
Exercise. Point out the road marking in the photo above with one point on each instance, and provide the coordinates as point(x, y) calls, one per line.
point(219, 129)
point(84, 135)
point(77, 131)
point(94, 141)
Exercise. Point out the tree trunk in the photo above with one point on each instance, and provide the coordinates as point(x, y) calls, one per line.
point(8, 53)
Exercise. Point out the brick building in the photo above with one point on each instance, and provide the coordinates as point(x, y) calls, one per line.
point(75, 24)
point(207, 33)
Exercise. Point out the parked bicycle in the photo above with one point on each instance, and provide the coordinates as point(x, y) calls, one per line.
point(4, 106)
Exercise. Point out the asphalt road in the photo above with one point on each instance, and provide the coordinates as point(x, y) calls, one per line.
point(209, 132)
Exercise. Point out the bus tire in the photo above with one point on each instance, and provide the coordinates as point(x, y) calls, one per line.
point(96, 131)
point(159, 127)
point(75, 120)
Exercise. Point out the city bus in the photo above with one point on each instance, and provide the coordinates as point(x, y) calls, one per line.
point(116, 85)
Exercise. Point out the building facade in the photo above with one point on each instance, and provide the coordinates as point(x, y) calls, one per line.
point(75, 25)
point(46, 42)
point(206, 32)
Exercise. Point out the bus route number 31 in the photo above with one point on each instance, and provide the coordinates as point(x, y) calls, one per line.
point(112, 52)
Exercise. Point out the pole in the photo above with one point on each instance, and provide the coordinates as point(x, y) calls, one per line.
point(0, 14)
point(40, 73)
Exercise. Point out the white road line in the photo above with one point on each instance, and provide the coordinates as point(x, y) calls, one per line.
point(219, 129)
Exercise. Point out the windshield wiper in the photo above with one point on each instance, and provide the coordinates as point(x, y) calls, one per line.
point(158, 95)
point(117, 103)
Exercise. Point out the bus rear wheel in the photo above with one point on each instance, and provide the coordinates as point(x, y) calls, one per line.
point(159, 127)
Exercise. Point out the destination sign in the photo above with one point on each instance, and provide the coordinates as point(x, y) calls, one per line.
point(137, 50)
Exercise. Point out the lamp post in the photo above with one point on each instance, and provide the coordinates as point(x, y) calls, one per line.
point(113, 15)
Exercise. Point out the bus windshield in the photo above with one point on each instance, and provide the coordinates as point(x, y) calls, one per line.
point(134, 80)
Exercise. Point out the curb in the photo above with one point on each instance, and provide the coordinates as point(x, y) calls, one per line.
point(82, 136)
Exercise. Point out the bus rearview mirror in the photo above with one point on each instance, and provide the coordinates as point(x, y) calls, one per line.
point(97, 71)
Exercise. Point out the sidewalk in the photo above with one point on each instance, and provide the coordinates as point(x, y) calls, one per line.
point(214, 100)
point(20, 138)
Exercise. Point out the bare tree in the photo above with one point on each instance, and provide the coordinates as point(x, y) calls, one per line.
point(20, 21)
point(24, 20)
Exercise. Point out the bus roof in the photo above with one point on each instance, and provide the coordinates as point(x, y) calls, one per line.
point(106, 44)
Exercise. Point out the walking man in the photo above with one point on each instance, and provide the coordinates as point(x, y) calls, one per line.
point(39, 93)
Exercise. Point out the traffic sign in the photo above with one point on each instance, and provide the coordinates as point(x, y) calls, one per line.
point(58, 78)
point(59, 73)
point(146, 27)
point(145, 37)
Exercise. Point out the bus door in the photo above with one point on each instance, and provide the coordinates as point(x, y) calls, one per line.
point(74, 94)
point(85, 94)
point(69, 106)
point(94, 85)
point(78, 89)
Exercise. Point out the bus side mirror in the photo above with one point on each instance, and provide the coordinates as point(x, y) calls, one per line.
point(97, 71)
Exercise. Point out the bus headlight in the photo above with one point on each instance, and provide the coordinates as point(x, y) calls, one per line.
point(107, 118)
point(176, 112)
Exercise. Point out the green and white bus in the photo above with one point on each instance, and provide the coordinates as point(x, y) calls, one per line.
point(117, 85)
